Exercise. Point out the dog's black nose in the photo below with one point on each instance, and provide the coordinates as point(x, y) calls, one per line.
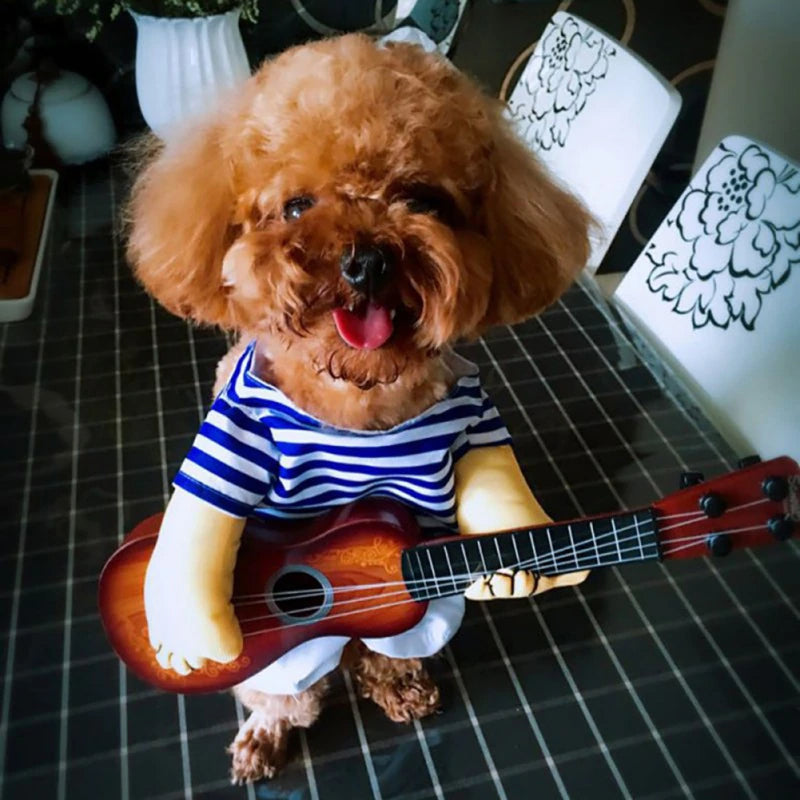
point(365, 268)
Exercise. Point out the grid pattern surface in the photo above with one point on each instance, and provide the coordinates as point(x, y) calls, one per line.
point(649, 681)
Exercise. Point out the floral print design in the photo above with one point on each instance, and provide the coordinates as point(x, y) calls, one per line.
point(559, 79)
point(742, 236)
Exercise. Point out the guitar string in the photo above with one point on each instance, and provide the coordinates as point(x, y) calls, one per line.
point(466, 580)
point(545, 559)
point(469, 578)
point(554, 553)
point(702, 536)
point(371, 609)
point(543, 563)
point(540, 562)
point(450, 581)
point(727, 511)
point(749, 529)
point(699, 515)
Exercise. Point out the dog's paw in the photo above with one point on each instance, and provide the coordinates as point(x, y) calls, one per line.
point(411, 698)
point(259, 750)
point(404, 696)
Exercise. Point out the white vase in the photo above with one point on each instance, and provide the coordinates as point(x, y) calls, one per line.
point(184, 64)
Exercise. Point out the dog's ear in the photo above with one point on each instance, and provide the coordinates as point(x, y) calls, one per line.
point(179, 225)
point(538, 233)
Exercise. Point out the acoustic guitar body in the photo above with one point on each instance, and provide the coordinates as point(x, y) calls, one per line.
point(291, 584)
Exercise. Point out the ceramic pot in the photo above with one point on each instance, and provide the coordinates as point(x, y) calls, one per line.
point(76, 122)
point(184, 64)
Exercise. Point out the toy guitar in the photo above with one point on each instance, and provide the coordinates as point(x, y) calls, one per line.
point(364, 571)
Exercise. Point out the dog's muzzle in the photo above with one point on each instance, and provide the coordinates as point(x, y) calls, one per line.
point(367, 323)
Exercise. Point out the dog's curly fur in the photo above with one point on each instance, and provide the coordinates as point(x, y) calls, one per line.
point(389, 146)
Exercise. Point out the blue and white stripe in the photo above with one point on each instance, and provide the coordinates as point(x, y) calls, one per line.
point(257, 454)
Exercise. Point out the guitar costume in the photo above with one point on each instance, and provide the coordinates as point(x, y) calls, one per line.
point(258, 455)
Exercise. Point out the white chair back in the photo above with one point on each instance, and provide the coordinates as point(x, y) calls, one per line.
point(596, 114)
point(716, 291)
point(438, 19)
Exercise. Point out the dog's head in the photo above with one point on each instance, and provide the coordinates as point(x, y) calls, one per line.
point(364, 205)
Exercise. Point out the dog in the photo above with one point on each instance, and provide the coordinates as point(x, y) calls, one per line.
point(350, 214)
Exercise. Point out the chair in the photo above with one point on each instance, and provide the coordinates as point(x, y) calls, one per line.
point(596, 114)
point(716, 292)
point(438, 19)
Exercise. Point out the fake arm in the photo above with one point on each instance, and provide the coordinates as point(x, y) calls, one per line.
point(493, 495)
point(188, 586)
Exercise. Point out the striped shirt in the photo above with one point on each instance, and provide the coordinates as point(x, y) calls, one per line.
point(258, 454)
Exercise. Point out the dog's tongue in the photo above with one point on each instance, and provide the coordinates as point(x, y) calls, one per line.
point(366, 329)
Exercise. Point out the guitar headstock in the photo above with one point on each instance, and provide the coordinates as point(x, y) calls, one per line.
point(757, 504)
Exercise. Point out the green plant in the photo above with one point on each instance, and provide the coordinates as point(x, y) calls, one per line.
point(97, 13)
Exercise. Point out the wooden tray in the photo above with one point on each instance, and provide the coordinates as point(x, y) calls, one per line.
point(18, 292)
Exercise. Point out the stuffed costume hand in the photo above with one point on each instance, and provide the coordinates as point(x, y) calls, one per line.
point(188, 586)
point(492, 495)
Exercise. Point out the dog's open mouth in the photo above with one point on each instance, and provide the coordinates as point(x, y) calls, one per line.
point(366, 327)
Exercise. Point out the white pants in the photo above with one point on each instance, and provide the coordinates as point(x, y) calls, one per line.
point(305, 664)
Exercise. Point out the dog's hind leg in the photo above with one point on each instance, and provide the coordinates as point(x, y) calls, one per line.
point(260, 749)
point(400, 686)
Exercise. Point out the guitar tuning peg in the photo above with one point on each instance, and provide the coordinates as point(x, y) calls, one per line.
point(780, 527)
point(748, 461)
point(719, 544)
point(775, 487)
point(712, 505)
point(688, 479)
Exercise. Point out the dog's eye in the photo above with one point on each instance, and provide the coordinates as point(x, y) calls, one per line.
point(423, 205)
point(428, 200)
point(294, 208)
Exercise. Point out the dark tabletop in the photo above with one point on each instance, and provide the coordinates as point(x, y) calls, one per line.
point(647, 681)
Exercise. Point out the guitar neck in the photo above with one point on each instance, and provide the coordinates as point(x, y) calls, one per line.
point(446, 567)
point(757, 504)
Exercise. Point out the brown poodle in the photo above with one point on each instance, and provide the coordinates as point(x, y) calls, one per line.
point(355, 210)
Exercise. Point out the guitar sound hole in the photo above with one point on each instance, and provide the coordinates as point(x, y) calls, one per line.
point(298, 594)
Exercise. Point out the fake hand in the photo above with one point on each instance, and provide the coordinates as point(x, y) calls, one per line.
point(188, 586)
point(509, 583)
point(185, 626)
point(493, 495)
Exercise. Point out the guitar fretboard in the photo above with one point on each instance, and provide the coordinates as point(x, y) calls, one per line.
point(440, 569)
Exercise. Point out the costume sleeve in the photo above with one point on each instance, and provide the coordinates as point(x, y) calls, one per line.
point(232, 462)
point(486, 429)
